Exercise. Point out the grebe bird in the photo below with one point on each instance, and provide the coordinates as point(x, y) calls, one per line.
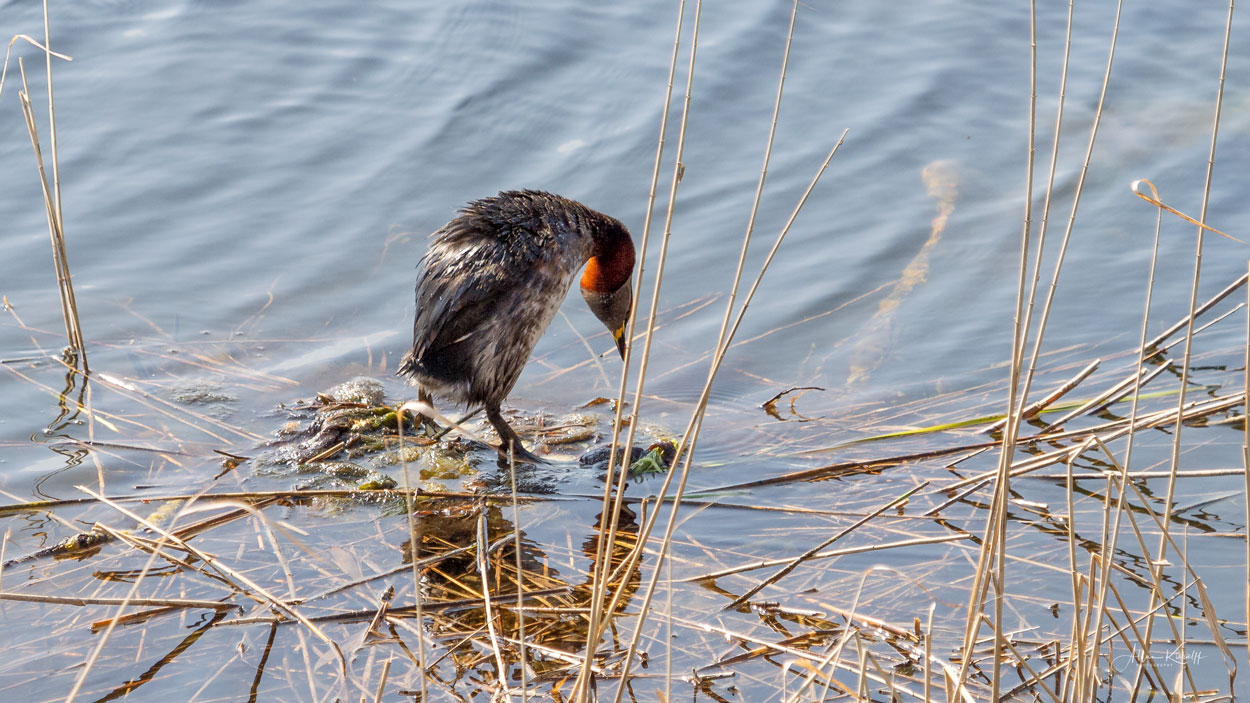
point(491, 282)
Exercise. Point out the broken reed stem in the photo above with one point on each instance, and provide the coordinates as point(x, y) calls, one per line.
point(1202, 309)
point(386, 671)
point(1037, 407)
point(4, 71)
point(1131, 385)
point(1245, 456)
point(52, 206)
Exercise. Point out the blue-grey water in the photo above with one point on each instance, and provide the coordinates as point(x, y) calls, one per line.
point(247, 188)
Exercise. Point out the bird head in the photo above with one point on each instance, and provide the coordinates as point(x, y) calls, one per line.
point(612, 309)
point(605, 283)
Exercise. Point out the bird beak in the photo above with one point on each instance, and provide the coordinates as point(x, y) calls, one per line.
point(612, 309)
point(619, 336)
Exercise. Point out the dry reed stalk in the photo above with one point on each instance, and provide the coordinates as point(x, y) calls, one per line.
point(1087, 684)
point(52, 196)
point(721, 341)
point(615, 463)
point(1161, 553)
point(1197, 473)
point(1131, 385)
point(1077, 667)
point(792, 564)
point(1054, 154)
point(395, 614)
point(993, 523)
point(862, 549)
point(241, 581)
point(684, 453)
point(520, 580)
point(260, 496)
point(1034, 409)
point(1245, 456)
point(484, 573)
point(995, 534)
point(137, 602)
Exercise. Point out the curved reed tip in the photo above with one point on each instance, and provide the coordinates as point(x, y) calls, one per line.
point(417, 407)
point(1136, 187)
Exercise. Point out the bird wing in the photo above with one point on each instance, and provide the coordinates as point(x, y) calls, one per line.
point(465, 279)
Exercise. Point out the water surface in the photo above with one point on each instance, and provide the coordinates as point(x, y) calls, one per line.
point(254, 182)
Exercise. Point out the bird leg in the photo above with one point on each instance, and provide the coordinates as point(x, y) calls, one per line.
point(508, 438)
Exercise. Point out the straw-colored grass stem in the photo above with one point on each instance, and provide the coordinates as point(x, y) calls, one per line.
point(993, 525)
point(615, 463)
point(52, 205)
point(1161, 552)
point(684, 453)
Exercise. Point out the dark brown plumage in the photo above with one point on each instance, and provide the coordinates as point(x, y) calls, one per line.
point(490, 283)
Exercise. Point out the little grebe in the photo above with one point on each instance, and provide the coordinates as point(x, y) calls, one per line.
point(491, 282)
